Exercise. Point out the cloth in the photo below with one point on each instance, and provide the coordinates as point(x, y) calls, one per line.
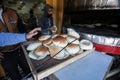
point(11, 21)
point(11, 38)
point(45, 23)
point(94, 66)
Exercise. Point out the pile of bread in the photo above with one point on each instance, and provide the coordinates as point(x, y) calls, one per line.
point(58, 46)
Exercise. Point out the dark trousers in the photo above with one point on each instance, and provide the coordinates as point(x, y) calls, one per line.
point(12, 60)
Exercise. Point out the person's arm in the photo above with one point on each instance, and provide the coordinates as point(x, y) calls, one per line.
point(11, 38)
point(14, 38)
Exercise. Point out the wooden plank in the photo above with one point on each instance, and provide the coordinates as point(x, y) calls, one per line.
point(58, 6)
point(29, 61)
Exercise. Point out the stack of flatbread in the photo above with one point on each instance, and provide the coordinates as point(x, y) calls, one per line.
point(58, 46)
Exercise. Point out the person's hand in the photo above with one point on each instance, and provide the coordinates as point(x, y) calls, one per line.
point(53, 28)
point(32, 33)
point(1, 56)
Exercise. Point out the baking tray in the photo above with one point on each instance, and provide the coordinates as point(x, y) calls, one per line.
point(48, 65)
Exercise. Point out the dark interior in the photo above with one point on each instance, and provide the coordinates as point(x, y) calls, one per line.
point(105, 17)
point(83, 16)
point(100, 22)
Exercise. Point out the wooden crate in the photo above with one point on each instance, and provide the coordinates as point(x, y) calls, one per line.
point(40, 68)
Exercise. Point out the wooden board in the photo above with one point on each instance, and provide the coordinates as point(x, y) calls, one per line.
point(41, 69)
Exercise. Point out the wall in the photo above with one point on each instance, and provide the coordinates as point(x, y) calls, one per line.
point(23, 7)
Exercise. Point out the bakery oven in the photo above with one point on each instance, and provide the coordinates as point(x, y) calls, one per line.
point(97, 21)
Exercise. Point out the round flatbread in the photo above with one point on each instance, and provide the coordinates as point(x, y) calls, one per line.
point(33, 56)
point(33, 46)
point(86, 44)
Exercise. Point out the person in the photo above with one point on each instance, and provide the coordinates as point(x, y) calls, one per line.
point(14, 38)
point(46, 21)
point(32, 20)
point(13, 55)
